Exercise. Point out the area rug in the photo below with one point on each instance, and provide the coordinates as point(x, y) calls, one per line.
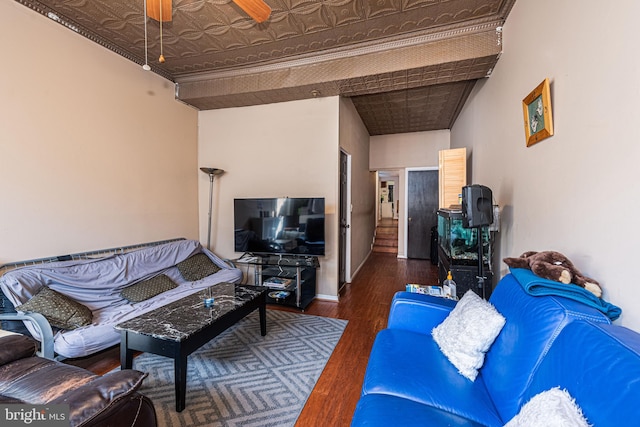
point(243, 379)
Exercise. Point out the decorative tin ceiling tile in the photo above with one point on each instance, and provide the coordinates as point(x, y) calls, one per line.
point(332, 46)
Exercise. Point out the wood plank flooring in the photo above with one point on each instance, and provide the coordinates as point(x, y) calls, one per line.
point(365, 304)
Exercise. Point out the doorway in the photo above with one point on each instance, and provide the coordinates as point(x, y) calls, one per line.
point(344, 243)
point(422, 206)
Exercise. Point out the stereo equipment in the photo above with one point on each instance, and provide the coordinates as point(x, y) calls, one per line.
point(477, 206)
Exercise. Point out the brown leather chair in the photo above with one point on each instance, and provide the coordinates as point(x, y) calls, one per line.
point(98, 401)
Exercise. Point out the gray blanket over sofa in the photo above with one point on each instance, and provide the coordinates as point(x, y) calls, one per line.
point(97, 284)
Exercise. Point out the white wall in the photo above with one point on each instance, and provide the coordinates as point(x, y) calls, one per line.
point(95, 151)
point(575, 192)
point(354, 140)
point(400, 152)
point(288, 149)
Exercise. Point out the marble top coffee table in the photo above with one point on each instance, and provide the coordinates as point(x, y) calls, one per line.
point(178, 329)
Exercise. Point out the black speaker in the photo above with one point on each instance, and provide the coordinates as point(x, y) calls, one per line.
point(477, 206)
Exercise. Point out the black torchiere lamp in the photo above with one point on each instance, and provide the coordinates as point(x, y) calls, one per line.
point(212, 172)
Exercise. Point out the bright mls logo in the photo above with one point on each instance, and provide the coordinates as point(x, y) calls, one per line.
point(34, 415)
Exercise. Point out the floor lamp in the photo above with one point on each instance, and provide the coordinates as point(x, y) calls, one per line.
point(212, 172)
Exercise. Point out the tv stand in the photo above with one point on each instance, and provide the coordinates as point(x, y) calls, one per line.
point(291, 279)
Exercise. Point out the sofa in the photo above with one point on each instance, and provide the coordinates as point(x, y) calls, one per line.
point(103, 289)
point(546, 342)
point(86, 399)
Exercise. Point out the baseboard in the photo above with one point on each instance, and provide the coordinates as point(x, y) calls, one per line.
point(323, 297)
point(359, 267)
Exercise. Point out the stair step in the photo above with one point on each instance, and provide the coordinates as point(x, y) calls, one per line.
point(386, 236)
point(385, 249)
point(387, 231)
point(386, 242)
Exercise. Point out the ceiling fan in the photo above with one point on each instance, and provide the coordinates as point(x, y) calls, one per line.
point(161, 10)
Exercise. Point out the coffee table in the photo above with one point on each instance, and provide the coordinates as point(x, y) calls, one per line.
point(178, 329)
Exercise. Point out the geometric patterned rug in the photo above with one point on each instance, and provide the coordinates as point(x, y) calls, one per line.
point(241, 378)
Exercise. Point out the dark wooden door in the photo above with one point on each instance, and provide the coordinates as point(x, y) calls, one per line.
point(344, 220)
point(422, 205)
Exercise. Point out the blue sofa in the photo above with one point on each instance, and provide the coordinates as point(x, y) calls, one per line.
point(546, 342)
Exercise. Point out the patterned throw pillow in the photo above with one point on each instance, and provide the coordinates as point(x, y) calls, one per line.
point(148, 288)
point(60, 310)
point(197, 267)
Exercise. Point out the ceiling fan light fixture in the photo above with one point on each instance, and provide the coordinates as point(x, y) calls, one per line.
point(257, 9)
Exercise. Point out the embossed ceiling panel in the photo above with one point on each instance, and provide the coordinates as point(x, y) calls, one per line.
point(422, 108)
point(219, 57)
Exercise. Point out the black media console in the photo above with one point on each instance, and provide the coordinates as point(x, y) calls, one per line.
point(291, 279)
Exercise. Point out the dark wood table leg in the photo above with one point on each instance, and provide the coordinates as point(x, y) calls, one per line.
point(126, 355)
point(180, 374)
point(263, 318)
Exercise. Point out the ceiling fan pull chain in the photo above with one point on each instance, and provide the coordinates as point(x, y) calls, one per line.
point(161, 59)
point(146, 66)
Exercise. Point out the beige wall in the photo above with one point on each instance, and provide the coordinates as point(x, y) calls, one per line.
point(406, 150)
point(354, 140)
point(287, 149)
point(399, 153)
point(95, 152)
point(575, 192)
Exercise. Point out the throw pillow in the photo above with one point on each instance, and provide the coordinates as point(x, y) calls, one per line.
point(148, 288)
point(15, 347)
point(60, 310)
point(197, 267)
point(468, 332)
point(551, 408)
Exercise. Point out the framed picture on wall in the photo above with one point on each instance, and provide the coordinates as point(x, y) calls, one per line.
point(536, 107)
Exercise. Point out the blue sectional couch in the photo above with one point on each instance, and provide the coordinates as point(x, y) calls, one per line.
point(546, 342)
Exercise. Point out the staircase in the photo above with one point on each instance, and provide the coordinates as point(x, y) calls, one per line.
point(386, 236)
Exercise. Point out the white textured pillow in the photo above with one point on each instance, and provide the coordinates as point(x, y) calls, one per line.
point(551, 408)
point(468, 332)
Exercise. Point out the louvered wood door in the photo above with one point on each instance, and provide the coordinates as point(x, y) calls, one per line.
point(452, 176)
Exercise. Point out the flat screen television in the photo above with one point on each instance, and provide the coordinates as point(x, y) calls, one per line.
point(291, 226)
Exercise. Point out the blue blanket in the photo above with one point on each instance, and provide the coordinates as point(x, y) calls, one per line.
point(537, 286)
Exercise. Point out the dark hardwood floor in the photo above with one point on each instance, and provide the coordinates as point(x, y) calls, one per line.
point(365, 304)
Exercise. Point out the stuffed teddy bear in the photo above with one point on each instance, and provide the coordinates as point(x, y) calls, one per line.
point(554, 266)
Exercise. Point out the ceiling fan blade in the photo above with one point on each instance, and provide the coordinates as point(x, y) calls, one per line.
point(153, 10)
point(257, 9)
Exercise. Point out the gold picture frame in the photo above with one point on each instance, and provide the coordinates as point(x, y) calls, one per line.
point(538, 120)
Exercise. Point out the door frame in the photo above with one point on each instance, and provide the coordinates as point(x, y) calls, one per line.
point(394, 175)
point(344, 253)
point(405, 212)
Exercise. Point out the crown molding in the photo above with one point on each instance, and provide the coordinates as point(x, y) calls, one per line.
point(51, 14)
point(346, 52)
